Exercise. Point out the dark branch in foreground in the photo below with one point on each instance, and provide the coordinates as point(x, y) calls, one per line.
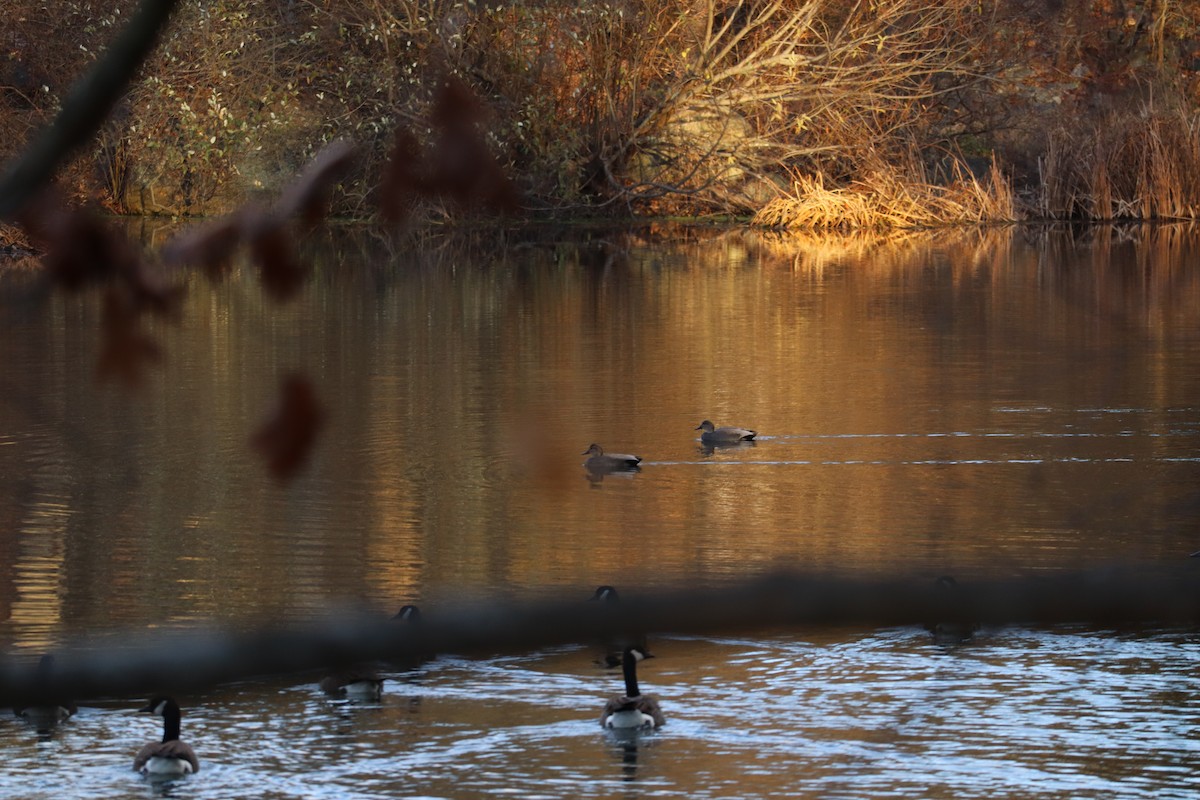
point(199, 658)
point(85, 108)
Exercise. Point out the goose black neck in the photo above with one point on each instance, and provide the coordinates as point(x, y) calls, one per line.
point(171, 716)
point(629, 667)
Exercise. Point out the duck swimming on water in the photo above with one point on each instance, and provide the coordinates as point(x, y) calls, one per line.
point(363, 682)
point(728, 434)
point(599, 461)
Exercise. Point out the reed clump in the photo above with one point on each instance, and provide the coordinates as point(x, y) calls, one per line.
point(13, 236)
point(1133, 166)
point(887, 198)
point(16, 251)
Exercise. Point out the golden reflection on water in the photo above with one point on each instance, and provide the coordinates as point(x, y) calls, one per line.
point(1006, 400)
point(36, 574)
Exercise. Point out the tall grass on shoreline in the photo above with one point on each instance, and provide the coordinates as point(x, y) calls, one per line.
point(887, 197)
point(1133, 166)
point(1142, 166)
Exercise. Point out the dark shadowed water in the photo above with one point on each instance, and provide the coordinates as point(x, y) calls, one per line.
point(1013, 403)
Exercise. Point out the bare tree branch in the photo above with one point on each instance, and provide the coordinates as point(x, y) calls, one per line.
point(85, 108)
point(188, 660)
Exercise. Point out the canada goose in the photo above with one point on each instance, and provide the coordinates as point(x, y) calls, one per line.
point(726, 435)
point(633, 710)
point(948, 596)
point(613, 655)
point(45, 712)
point(410, 614)
point(599, 461)
point(170, 756)
point(361, 682)
point(606, 593)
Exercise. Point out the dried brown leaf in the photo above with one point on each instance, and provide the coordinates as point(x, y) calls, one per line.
point(126, 351)
point(210, 246)
point(460, 167)
point(287, 438)
point(464, 171)
point(150, 292)
point(402, 182)
point(308, 196)
point(455, 106)
point(79, 248)
point(280, 269)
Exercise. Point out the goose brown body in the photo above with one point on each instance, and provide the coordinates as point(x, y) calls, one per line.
point(171, 756)
point(632, 710)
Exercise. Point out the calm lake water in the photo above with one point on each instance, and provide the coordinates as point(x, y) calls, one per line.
point(1009, 403)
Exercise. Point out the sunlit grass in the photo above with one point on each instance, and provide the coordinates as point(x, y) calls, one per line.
point(889, 198)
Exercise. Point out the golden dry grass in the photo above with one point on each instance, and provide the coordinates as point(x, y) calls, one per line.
point(12, 235)
point(16, 253)
point(887, 198)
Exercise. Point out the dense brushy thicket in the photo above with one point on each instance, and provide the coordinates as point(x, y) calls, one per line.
point(690, 106)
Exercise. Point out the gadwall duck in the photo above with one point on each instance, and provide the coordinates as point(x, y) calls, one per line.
point(726, 435)
point(599, 461)
point(633, 710)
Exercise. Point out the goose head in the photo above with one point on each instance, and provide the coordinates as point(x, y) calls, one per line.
point(606, 593)
point(408, 613)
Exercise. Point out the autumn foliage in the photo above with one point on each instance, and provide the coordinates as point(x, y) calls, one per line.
point(286, 439)
point(622, 106)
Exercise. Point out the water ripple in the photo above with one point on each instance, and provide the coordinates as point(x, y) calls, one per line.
point(1062, 713)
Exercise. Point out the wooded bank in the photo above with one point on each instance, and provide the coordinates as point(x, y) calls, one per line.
point(805, 112)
